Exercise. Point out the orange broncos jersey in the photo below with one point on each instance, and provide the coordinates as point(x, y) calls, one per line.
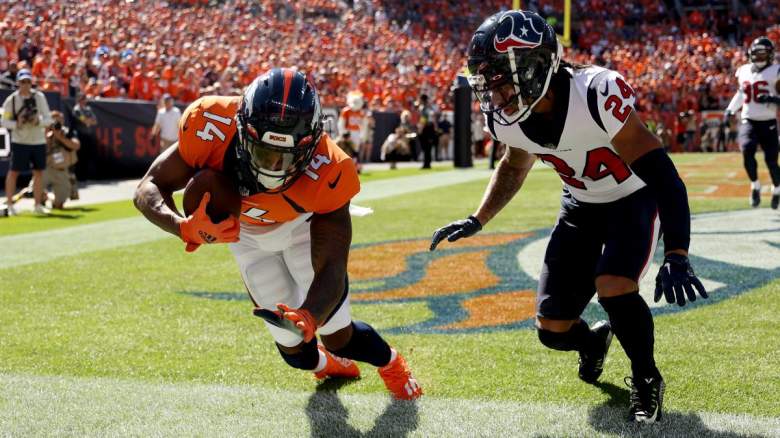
point(352, 119)
point(206, 130)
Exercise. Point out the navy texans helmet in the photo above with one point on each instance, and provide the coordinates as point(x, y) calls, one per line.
point(761, 52)
point(512, 50)
point(279, 125)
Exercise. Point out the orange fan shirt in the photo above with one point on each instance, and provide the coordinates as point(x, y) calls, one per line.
point(352, 119)
point(206, 130)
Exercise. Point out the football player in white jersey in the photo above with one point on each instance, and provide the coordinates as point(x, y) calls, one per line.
point(617, 182)
point(758, 95)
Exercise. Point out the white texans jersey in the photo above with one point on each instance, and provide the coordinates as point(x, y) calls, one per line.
point(752, 84)
point(598, 105)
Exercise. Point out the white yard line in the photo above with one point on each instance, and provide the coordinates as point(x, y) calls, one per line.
point(46, 406)
point(386, 188)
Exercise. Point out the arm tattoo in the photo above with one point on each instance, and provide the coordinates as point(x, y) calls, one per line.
point(503, 186)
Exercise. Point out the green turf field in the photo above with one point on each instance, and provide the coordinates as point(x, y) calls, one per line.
point(110, 329)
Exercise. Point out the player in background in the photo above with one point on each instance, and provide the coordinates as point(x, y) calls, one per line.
point(617, 182)
point(292, 239)
point(353, 119)
point(759, 96)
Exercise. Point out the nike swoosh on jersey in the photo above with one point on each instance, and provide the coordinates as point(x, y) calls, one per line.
point(333, 183)
point(606, 89)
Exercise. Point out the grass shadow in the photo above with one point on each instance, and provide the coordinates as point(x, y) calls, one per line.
point(58, 214)
point(328, 416)
point(611, 418)
point(82, 209)
point(222, 296)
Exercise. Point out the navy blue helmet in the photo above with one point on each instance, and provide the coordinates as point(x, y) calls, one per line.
point(279, 125)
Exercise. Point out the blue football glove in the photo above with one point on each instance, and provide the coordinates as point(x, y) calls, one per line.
point(454, 231)
point(676, 279)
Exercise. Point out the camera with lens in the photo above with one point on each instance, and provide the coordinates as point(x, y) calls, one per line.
point(56, 126)
point(29, 110)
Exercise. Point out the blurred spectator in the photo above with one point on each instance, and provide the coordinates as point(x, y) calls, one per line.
point(353, 119)
point(344, 141)
point(427, 129)
point(8, 77)
point(680, 125)
point(397, 147)
point(443, 129)
point(27, 51)
point(478, 134)
point(691, 125)
point(26, 114)
point(410, 130)
point(665, 134)
point(61, 146)
point(166, 123)
point(365, 150)
point(7, 55)
point(142, 84)
point(112, 90)
point(84, 126)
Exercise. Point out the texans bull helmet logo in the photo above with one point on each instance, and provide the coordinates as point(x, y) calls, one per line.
point(516, 30)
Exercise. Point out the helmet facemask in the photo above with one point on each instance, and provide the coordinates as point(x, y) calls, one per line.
point(759, 56)
point(761, 53)
point(526, 73)
point(273, 159)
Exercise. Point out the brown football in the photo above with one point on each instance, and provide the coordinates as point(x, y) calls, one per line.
point(225, 199)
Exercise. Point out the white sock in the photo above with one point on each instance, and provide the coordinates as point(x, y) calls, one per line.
point(776, 190)
point(393, 355)
point(322, 362)
point(755, 185)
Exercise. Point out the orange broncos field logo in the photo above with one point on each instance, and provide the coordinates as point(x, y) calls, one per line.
point(488, 282)
point(469, 285)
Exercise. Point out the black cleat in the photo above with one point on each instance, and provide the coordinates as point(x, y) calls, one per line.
point(592, 363)
point(646, 400)
point(755, 197)
point(775, 201)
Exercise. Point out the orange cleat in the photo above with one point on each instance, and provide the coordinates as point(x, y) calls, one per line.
point(399, 380)
point(338, 367)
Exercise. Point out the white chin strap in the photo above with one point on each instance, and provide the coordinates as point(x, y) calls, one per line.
point(269, 181)
point(761, 64)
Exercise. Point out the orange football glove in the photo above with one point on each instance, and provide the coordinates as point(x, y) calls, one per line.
point(198, 229)
point(302, 319)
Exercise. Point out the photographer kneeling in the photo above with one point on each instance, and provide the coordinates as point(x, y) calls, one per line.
point(61, 147)
point(26, 114)
point(396, 146)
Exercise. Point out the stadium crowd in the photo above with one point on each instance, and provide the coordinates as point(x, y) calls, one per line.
point(391, 50)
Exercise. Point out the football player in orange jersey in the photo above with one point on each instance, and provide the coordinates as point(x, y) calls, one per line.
point(292, 239)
